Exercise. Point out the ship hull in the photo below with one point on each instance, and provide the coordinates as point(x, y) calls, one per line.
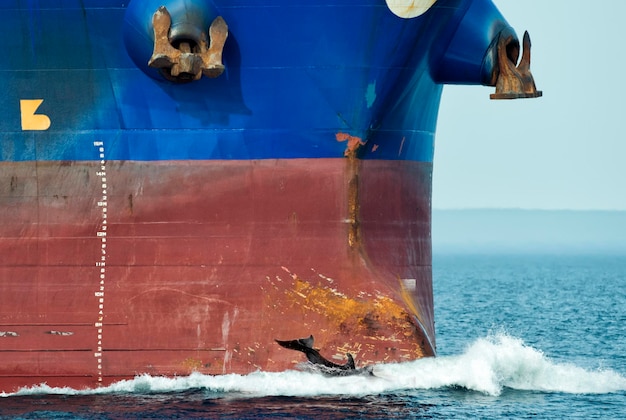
point(154, 226)
point(165, 268)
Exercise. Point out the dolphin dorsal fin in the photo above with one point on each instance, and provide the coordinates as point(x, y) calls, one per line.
point(350, 364)
point(307, 342)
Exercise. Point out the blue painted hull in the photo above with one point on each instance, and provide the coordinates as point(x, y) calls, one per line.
point(295, 76)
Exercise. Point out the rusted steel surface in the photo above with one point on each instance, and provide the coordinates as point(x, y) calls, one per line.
point(514, 82)
point(191, 58)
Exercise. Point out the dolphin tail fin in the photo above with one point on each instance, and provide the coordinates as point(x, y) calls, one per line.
point(301, 344)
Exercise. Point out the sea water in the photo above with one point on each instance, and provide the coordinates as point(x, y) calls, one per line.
point(524, 336)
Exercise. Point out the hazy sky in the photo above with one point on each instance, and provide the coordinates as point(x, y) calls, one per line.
point(566, 150)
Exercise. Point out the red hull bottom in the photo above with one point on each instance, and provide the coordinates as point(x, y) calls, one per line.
point(113, 269)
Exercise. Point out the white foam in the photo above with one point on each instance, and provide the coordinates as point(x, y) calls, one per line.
point(500, 361)
point(488, 365)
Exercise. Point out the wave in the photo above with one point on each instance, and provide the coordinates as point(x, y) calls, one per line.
point(489, 365)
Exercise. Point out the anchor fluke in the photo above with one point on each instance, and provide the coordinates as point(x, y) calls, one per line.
point(514, 82)
point(185, 60)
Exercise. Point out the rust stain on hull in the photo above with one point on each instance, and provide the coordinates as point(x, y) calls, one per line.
point(354, 234)
point(352, 175)
point(367, 325)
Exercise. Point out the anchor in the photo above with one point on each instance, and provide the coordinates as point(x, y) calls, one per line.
point(514, 82)
point(189, 59)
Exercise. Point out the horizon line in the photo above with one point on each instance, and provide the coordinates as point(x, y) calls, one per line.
point(528, 209)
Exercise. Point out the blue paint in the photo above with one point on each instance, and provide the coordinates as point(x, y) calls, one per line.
point(370, 94)
point(295, 77)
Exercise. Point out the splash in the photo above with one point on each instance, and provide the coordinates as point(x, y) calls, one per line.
point(489, 365)
point(499, 361)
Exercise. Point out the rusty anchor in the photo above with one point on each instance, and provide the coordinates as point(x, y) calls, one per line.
point(190, 59)
point(514, 82)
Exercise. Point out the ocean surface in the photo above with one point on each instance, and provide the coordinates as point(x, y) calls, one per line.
point(518, 336)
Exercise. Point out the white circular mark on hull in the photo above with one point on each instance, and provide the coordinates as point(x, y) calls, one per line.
point(409, 8)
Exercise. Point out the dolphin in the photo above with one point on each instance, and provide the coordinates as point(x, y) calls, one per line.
point(305, 345)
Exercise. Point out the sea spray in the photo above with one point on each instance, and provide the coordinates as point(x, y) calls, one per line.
point(488, 365)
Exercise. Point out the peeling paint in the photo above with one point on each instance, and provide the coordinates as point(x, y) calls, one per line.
point(328, 279)
point(353, 143)
point(372, 323)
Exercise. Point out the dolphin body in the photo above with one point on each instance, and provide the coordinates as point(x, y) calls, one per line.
point(305, 345)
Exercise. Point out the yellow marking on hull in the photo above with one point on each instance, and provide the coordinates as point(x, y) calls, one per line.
point(30, 120)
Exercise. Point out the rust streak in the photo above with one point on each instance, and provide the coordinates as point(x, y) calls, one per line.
point(353, 144)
